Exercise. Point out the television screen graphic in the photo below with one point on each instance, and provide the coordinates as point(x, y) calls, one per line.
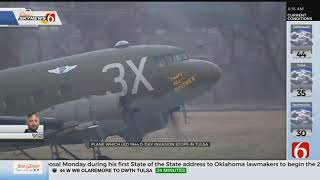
point(171, 90)
point(140, 80)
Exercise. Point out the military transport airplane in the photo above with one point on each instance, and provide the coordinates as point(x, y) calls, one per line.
point(126, 90)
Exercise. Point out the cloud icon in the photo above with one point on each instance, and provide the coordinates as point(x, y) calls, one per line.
point(301, 38)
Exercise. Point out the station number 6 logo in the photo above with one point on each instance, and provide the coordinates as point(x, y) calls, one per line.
point(300, 150)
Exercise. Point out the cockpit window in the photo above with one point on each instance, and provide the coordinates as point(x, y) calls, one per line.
point(170, 59)
point(160, 60)
point(180, 57)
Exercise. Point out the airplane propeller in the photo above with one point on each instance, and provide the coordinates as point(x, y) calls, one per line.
point(174, 116)
point(185, 115)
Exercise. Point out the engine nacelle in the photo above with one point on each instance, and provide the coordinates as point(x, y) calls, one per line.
point(105, 109)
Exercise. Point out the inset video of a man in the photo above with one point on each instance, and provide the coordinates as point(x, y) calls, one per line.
point(33, 122)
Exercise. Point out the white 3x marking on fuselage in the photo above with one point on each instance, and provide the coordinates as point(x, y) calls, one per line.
point(120, 78)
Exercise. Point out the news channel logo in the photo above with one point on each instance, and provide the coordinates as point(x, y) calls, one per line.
point(300, 150)
point(42, 18)
point(22, 17)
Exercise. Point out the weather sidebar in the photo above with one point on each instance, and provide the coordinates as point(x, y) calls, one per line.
point(303, 126)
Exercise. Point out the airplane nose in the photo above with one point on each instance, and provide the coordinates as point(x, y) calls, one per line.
point(209, 72)
point(214, 72)
point(191, 77)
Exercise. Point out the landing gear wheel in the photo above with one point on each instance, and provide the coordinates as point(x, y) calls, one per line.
point(54, 150)
point(55, 155)
point(96, 153)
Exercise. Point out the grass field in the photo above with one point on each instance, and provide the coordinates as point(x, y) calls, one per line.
point(233, 135)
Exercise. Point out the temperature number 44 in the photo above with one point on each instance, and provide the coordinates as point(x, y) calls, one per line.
point(301, 54)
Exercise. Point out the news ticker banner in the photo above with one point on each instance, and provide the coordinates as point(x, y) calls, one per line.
point(303, 100)
point(23, 17)
point(156, 169)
